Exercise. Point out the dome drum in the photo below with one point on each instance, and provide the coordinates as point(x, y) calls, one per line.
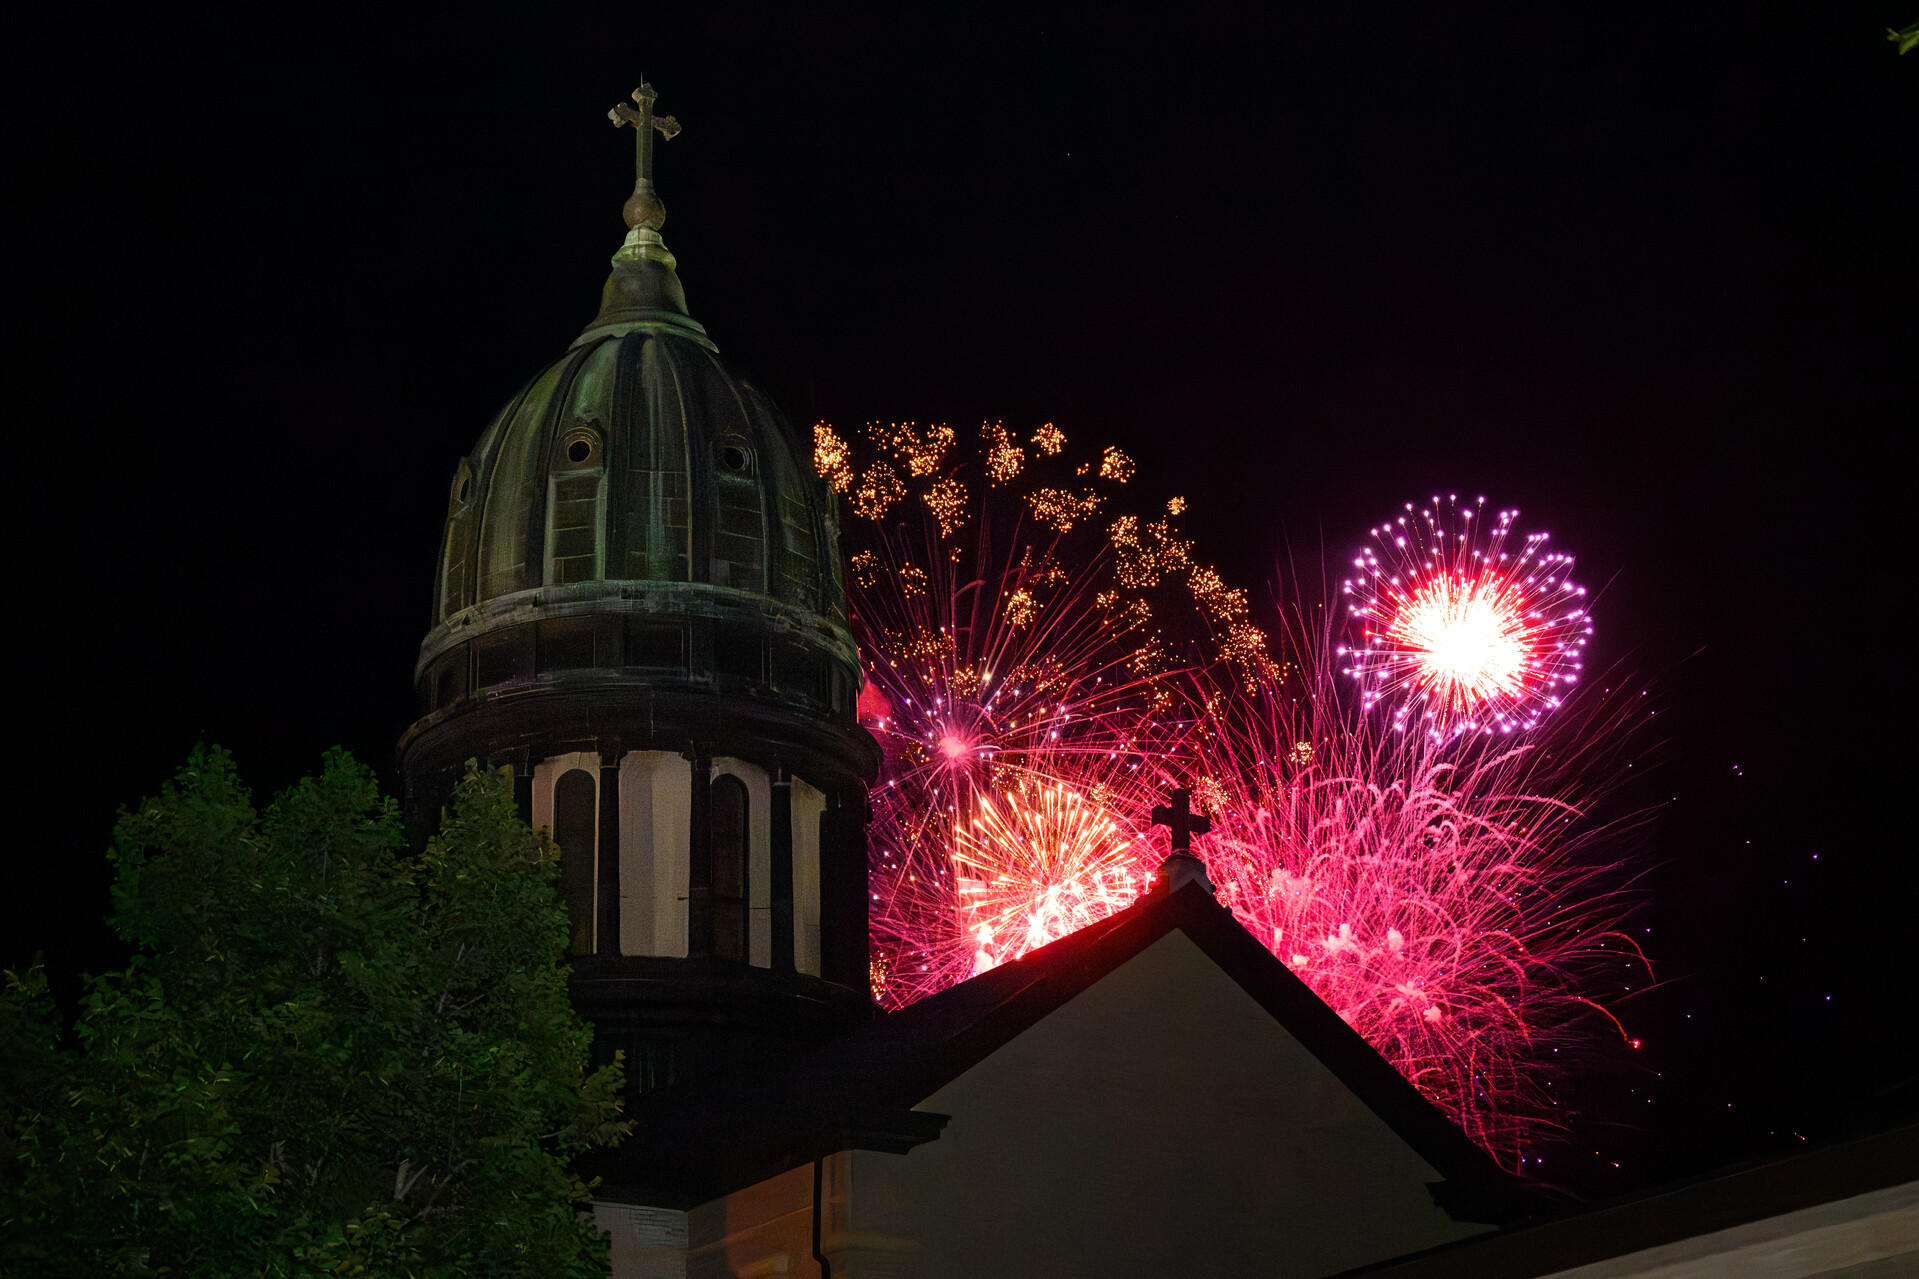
point(670, 635)
point(656, 964)
point(519, 729)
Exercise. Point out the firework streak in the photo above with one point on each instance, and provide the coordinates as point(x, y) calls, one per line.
point(1448, 897)
point(1021, 683)
point(1041, 669)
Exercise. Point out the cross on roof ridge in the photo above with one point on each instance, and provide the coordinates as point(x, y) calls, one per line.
point(1178, 817)
point(1181, 867)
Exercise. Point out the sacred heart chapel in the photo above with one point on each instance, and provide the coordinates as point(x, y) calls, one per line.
point(640, 619)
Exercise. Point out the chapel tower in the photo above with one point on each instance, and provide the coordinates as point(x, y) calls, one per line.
point(639, 617)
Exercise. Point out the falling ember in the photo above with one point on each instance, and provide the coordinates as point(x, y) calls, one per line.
point(1461, 631)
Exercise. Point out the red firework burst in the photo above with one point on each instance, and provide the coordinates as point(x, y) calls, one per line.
point(1460, 631)
point(1020, 683)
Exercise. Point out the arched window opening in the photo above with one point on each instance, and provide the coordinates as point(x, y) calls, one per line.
point(574, 799)
point(728, 817)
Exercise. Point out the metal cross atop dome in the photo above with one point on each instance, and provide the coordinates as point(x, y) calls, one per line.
point(1178, 817)
point(644, 209)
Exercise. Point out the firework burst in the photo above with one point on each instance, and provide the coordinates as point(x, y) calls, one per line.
point(1453, 905)
point(1037, 861)
point(1023, 676)
point(1461, 630)
point(1035, 685)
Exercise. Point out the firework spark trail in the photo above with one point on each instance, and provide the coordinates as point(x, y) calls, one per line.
point(1438, 890)
point(1461, 633)
point(1037, 862)
point(1449, 898)
point(1017, 676)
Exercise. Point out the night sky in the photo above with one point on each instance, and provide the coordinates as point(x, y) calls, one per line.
point(1645, 271)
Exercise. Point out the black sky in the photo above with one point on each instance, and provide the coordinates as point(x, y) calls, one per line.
point(1645, 271)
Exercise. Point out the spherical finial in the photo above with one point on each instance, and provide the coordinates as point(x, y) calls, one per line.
point(644, 208)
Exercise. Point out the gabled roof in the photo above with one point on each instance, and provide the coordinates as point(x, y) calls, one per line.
point(710, 1137)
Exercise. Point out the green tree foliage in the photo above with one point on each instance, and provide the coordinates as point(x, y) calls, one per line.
point(329, 1056)
point(1907, 38)
point(33, 1077)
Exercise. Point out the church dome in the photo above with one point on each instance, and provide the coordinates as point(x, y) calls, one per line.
point(638, 538)
point(639, 476)
point(638, 456)
point(639, 466)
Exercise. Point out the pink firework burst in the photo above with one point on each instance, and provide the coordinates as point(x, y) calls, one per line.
point(1461, 630)
point(1456, 905)
point(1009, 723)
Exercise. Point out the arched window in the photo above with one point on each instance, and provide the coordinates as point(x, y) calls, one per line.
point(574, 799)
point(729, 867)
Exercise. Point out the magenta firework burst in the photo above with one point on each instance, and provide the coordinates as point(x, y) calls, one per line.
point(1464, 624)
point(1462, 909)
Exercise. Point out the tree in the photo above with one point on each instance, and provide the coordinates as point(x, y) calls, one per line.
point(33, 1075)
point(328, 1056)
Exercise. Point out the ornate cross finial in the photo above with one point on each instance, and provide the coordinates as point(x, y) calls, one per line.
point(644, 208)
